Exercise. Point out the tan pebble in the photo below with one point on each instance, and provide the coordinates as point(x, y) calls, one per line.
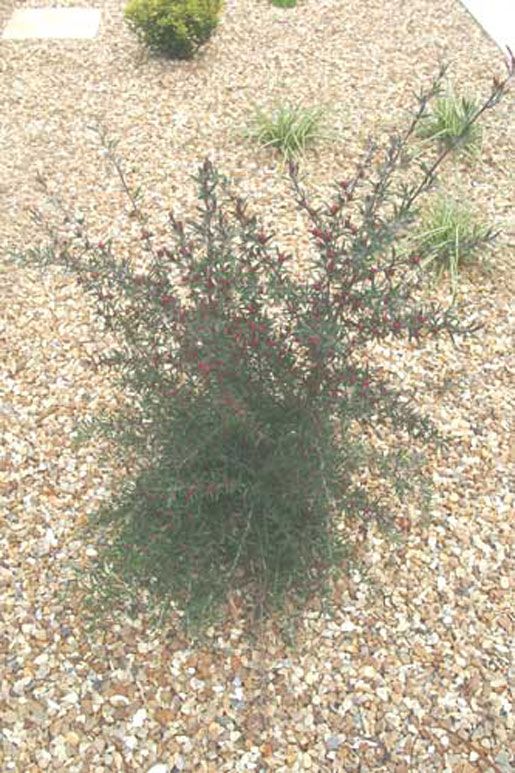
point(119, 700)
point(72, 738)
point(504, 582)
point(214, 730)
point(5, 576)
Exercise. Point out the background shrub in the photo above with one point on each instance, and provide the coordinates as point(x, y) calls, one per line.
point(251, 401)
point(175, 28)
point(284, 3)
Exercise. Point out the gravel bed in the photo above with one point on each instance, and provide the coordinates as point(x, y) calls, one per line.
point(414, 669)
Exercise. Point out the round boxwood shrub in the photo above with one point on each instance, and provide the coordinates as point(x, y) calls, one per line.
point(175, 28)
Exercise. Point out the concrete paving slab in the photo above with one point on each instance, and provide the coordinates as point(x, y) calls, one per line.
point(52, 23)
point(497, 17)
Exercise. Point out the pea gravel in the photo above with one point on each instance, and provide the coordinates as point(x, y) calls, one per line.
point(414, 670)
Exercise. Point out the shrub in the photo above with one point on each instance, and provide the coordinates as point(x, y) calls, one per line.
point(446, 123)
point(290, 129)
point(175, 28)
point(251, 400)
point(450, 236)
point(284, 3)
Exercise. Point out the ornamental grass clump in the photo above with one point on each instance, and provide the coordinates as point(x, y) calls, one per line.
point(289, 129)
point(451, 236)
point(251, 398)
point(449, 123)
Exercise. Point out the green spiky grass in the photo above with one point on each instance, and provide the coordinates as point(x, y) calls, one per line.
point(289, 129)
point(450, 236)
point(449, 121)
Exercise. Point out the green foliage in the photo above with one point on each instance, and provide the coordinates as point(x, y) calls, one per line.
point(251, 403)
point(450, 236)
point(284, 3)
point(175, 28)
point(449, 121)
point(290, 129)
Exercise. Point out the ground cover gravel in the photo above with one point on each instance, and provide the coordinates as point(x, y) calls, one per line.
point(414, 671)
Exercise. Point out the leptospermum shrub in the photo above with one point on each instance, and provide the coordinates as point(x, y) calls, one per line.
point(252, 398)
